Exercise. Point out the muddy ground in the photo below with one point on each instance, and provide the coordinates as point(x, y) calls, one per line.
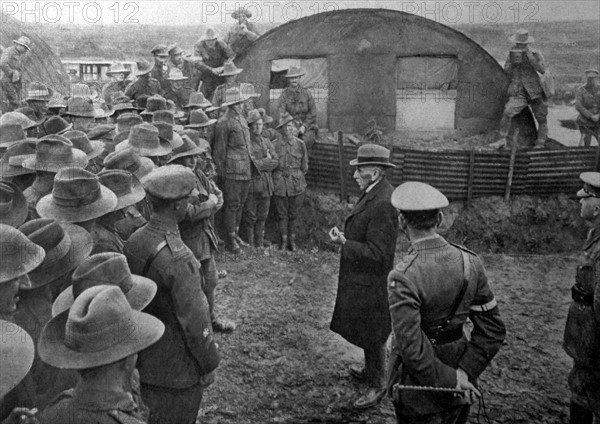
point(284, 365)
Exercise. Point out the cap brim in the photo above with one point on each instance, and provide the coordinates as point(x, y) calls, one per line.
point(52, 350)
point(17, 352)
point(137, 195)
point(81, 247)
point(106, 203)
point(141, 294)
point(19, 211)
point(355, 162)
point(79, 159)
point(194, 152)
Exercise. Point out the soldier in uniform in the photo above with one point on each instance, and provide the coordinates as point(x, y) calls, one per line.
point(298, 102)
point(191, 67)
point(230, 73)
point(160, 71)
point(587, 103)
point(80, 339)
point(525, 90)
point(11, 67)
point(432, 292)
point(581, 331)
point(214, 53)
point(129, 191)
point(175, 371)
point(144, 85)
point(289, 184)
point(256, 208)
point(52, 153)
point(234, 164)
point(243, 33)
point(368, 243)
point(119, 83)
point(37, 97)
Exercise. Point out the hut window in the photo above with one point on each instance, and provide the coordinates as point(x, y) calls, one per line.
point(316, 80)
point(426, 92)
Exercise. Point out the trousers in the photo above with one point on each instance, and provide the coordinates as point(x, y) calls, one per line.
point(287, 208)
point(172, 406)
point(235, 193)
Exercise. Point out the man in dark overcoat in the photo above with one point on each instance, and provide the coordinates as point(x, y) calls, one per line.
point(368, 242)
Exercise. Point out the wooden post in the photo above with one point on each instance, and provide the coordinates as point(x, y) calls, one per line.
point(471, 175)
point(342, 163)
point(511, 166)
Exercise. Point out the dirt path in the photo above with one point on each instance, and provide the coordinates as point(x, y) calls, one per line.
point(283, 365)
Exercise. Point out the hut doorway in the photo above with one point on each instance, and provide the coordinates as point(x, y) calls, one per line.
point(426, 92)
point(316, 80)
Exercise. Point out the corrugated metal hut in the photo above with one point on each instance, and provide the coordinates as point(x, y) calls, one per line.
point(41, 64)
point(409, 73)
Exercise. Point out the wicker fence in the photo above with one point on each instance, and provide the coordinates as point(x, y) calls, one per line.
point(461, 175)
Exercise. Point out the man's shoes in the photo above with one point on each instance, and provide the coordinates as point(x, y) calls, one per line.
point(231, 244)
point(222, 325)
point(358, 373)
point(370, 399)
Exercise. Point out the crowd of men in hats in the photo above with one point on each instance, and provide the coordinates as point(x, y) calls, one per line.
point(108, 238)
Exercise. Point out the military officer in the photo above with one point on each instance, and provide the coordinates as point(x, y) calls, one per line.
point(581, 330)
point(175, 371)
point(432, 292)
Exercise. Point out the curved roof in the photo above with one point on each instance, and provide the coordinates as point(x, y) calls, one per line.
point(41, 64)
point(338, 24)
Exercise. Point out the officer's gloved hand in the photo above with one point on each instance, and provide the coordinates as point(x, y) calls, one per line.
point(463, 383)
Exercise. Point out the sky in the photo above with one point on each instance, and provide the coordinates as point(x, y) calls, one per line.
point(173, 12)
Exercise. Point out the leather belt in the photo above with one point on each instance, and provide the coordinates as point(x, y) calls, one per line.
point(446, 336)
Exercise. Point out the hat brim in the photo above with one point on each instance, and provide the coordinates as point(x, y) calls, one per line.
point(141, 294)
point(79, 159)
point(139, 74)
point(232, 73)
point(32, 258)
point(101, 113)
point(193, 152)
point(146, 167)
point(81, 247)
point(8, 171)
point(281, 124)
point(106, 203)
point(79, 115)
point(17, 352)
point(18, 212)
point(67, 128)
point(22, 44)
point(8, 144)
point(242, 100)
point(200, 105)
point(202, 125)
point(97, 149)
point(164, 148)
point(53, 351)
point(513, 39)
point(295, 75)
point(355, 162)
point(137, 195)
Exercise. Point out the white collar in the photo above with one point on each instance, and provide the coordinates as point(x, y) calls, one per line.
point(434, 236)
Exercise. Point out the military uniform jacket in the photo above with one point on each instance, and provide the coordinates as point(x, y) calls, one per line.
point(361, 313)
point(300, 104)
point(422, 289)
point(288, 177)
point(191, 67)
point(214, 57)
point(587, 103)
point(142, 87)
point(264, 155)
point(239, 40)
point(524, 76)
point(196, 229)
point(10, 61)
point(76, 406)
point(245, 88)
point(106, 238)
point(232, 148)
point(187, 350)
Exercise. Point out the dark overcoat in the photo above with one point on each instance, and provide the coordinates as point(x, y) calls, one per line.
point(361, 313)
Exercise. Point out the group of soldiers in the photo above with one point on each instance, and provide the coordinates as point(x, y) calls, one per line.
point(129, 191)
